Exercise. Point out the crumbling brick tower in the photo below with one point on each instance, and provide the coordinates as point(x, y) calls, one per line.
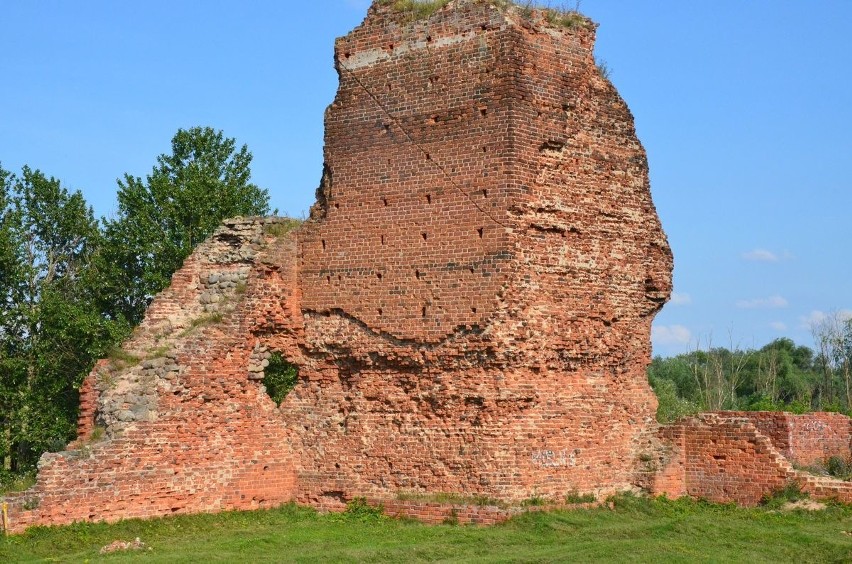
point(483, 264)
point(469, 304)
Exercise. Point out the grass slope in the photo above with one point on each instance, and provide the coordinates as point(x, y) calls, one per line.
point(636, 530)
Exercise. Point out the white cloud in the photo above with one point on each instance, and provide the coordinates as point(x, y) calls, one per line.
point(764, 255)
point(816, 317)
point(772, 302)
point(680, 299)
point(671, 335)
point(778, 325)
point(760, 255)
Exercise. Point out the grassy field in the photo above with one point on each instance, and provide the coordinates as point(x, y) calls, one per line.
point(635, 530)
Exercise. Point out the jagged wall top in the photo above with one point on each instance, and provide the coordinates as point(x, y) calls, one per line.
point(409, 19)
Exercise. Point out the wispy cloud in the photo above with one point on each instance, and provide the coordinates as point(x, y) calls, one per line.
point(778, 325)
point(761, 255)
point(680, 299)
point(772, 302)
point(671, 335)
point(816, 317)
point(764, 255)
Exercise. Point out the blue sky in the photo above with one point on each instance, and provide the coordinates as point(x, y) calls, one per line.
point(745, 109)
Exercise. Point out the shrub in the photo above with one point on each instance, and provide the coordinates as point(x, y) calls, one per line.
point(576, 497)
point(670, 406)
point(790, 492)
point(839, 467)
point(279, 377)
point(359, 510)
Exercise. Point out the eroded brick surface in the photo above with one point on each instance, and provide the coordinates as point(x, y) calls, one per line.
point(469, 306)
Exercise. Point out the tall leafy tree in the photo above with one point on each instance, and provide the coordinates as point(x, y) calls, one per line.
point(204, 180)
point(50, 331)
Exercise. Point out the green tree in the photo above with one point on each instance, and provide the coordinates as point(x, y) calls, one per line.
point(159, 222)
point(50, 332)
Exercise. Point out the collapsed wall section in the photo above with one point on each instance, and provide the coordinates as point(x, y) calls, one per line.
point(173, 423)
point(743, 457)
point(806, 439)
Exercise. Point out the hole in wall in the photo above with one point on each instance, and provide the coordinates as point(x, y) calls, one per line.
point(484, 192)
point(473, 310)
point(379, 275)
point(380, 312)
point(480, 232)
point(423, 311)
point(385, 201)
point(428, 39)
point(336, 206)
point(323, 244)
point(425, 236)
point(428, 157)
point(383, 239)
point(483, 112)
point(417, 274)
point(551, 145)
point(280, 377)
point(328, 279)
point(428, 198)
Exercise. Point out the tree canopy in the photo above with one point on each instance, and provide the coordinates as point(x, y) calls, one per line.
point(50, 333)
point(160, 221)
point(781, 376)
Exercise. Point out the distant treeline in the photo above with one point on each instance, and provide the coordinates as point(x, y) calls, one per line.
point(781, 376)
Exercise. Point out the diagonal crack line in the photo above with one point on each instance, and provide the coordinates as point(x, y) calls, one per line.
point(418, 145)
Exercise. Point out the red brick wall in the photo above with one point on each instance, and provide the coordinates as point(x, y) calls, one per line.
point(740, 456)
point(804, 439)
point(723, 459)
point(186, 429)
point(504, 353)
point(817, 436)
point(469, 305)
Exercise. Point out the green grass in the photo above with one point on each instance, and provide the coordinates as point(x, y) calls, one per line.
point(635, 530)
point(451, 498)
point(281, 228)
point(417, 9)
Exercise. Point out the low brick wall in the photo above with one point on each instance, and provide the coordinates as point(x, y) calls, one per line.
point(740, 456)
point(803, 439)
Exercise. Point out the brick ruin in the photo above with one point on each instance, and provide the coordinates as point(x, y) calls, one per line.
point(469, 306)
